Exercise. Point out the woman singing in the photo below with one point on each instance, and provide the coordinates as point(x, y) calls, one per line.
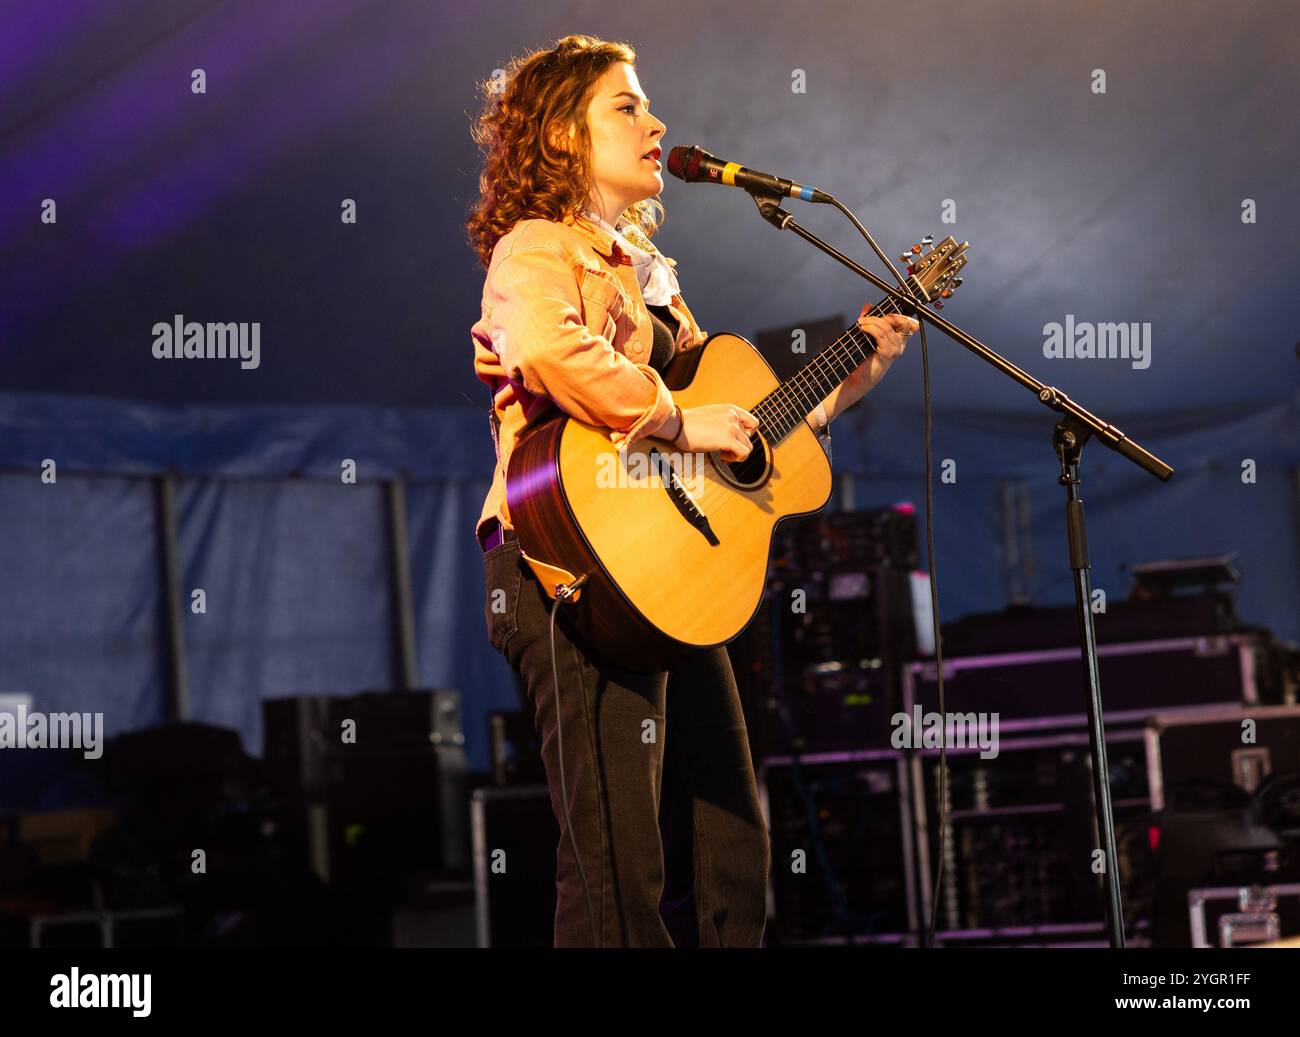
point(580, 311)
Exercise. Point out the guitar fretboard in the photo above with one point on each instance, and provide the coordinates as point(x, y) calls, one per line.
point(781, 410)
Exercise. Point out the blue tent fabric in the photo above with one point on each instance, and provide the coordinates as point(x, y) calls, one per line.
point(132, 438)
point(448, 594)
point(295, 575)
point(80, 607)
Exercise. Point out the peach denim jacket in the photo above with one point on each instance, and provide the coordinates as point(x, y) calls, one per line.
point(564, 323)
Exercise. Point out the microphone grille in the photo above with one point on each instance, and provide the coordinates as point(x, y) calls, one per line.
point(684, 163)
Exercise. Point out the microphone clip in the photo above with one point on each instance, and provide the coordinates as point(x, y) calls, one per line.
point(769, 207)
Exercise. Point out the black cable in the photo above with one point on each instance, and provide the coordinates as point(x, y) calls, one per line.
point(938, 650)
point(934, 574)
point(563, 595)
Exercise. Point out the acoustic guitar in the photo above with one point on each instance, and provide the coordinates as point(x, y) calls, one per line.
point(671, 549)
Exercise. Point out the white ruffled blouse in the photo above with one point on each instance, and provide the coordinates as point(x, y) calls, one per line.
point(653, 272)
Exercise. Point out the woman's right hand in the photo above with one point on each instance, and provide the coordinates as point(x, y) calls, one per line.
point(717, 426)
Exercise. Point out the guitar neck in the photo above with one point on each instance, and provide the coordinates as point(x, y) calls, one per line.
point(781, 410)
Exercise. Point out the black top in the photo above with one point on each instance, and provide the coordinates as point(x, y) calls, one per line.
point(665, 349)
point(665, 337)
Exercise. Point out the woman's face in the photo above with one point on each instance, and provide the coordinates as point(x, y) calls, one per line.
point(622, 130)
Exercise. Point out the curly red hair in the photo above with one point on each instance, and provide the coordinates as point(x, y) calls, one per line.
point(524, 175)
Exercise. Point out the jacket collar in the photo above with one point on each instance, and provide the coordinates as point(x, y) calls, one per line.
point(605, 243)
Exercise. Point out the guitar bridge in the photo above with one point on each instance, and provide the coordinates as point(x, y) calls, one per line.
point(681, 498)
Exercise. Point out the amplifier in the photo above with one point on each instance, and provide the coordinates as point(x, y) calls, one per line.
point(1019, 843)
point(1239, 916)
point(1241, 746)
point(832, 707)
point(1022, 627)
point(1048, 687)
point(839, 613)
point(1226, 785)
point(818, 668)
point(826, 676)
point(389, 797)
point(515, 837)
point(841, 540)
point(842, 862)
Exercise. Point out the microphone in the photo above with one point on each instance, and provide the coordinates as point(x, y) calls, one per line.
point(695, 165)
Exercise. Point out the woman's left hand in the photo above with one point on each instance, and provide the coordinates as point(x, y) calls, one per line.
point(891, 332)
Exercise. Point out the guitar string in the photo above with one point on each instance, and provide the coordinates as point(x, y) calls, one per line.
point(779, 403)
point(800, 382)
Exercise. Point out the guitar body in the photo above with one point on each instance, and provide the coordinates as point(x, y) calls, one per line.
point(669, 551)
point(671, 563)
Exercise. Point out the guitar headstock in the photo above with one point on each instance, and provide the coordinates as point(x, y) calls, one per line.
point(935, 271)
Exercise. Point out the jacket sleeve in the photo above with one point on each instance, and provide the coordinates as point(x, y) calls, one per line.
point(544, 344)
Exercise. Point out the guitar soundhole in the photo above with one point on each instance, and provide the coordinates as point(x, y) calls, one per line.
point(750, 473)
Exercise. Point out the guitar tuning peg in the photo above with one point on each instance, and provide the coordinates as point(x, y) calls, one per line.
point(928, 240)
point(957, 283)
point(916, 250)
point(906, 257)
point(946, 293)
point(938, 304)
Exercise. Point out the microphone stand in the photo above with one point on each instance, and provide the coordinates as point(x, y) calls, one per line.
point(1068, 437)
